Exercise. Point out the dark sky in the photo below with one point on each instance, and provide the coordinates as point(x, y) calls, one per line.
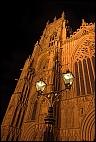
point(23, 24)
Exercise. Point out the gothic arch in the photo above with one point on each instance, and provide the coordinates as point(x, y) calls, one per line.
point(34, 110)
point(43, 98)
point(29, 132)
point(35, 129)
point(42, 62)
point(88, 127)
point(44, 104)
point(84, 49)
point(82, 57)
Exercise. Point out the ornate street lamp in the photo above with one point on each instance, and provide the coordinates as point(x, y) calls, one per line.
point(50, 120)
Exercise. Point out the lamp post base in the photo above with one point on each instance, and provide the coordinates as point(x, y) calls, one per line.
point(49, 121)
point(48, 134)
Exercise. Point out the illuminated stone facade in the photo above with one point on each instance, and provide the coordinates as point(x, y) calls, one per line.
point(75, 108)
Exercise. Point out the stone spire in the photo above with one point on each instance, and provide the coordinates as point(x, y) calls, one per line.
point(47, 23)
point(55, 18)
point(63, 27)
point(83, 22)
point(62, 15)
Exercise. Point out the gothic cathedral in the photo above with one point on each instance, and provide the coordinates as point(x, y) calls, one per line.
point(74, 108)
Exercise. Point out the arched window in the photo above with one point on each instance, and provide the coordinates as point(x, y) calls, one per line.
point(52, 39)
point(93, 61)
point(77, 79)
point(43, 63)
point(34, 111)
point(85, 67)
point(91, 74)
point(81, 78)
point(86, 77)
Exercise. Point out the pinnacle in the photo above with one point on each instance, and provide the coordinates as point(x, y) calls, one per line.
point(63, 15)
point(55, 18)
point(83, 22)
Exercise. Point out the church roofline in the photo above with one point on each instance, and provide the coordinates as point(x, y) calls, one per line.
point(85, 27)
point(55, 19)
point(77, 34)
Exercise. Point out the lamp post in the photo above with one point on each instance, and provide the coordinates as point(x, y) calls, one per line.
point(51, 96)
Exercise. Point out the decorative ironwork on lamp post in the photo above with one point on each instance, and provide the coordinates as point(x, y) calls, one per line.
point(50, 119)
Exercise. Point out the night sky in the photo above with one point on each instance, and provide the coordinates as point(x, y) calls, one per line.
point(23, 25)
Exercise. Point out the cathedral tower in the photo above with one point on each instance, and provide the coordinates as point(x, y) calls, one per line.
point(75, 108)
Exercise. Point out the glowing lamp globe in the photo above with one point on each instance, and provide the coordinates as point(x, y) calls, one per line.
point(68, 79)
point(40, 85)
